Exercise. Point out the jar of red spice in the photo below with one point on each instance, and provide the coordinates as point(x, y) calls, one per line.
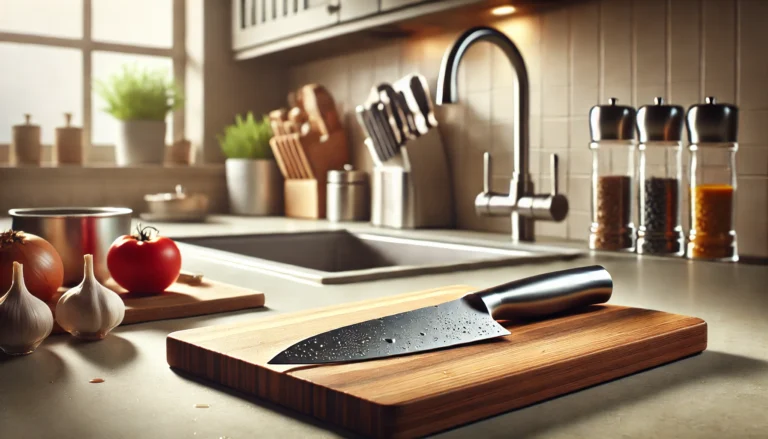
point(713, 132)
point(612, 128)
point(659, 176)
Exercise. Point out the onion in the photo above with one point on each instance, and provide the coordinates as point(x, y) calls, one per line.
point(43, 269)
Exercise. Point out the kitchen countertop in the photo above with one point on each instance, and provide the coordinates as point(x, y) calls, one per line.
point(722, 392)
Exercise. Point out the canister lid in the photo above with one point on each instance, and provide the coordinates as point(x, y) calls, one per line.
point(612, 122)
point(660, 122)
point(68, 123)
point(713, 122)
point(27, 122)
point(347, 175)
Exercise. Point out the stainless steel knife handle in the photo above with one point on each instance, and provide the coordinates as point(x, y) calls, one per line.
point(548, 293)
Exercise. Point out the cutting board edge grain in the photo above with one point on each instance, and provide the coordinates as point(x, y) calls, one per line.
point(669, 338)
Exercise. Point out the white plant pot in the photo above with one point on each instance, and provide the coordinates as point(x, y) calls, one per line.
point(255, 187)
point(140, 142)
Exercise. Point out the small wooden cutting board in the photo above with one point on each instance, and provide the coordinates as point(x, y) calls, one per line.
point(419, 394)
point(180, 300)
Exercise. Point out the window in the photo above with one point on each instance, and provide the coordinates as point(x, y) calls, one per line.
point(53, 50)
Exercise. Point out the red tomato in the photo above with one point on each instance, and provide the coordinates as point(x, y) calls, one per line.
point(143, 263)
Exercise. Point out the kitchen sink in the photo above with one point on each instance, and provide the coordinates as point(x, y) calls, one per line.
point(338, 257)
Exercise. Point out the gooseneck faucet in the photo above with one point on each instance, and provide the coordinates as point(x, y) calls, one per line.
point(521, 203)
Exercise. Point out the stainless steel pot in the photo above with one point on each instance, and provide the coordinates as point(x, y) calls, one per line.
point(75, 232)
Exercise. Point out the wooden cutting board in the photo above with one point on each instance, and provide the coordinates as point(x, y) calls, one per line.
point(424, 393)
point(180, 300)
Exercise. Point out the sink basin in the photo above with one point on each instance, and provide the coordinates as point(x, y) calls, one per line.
point(337, 257)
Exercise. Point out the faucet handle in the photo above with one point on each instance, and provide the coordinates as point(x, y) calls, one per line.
point(554, 166)
point(486, 172)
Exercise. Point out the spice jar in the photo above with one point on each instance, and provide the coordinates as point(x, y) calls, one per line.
point(612, 129)
point(660, 171)
point(348, 196)
point(713, 130)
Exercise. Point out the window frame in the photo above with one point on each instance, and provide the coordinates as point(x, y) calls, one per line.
point(87, 45)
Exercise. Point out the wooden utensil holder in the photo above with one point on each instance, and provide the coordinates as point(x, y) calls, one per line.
point(304, 162)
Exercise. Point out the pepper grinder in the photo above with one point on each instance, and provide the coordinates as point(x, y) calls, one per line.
point(660, 171)
point(68, 144)
point(713, 132)
point(612, 128)
point(26, 143)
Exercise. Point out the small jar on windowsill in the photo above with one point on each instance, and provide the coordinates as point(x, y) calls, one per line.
point(713, 132)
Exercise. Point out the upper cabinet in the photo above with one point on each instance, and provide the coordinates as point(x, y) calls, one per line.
point(258, 22)
point(315, 28)
point(387, 5)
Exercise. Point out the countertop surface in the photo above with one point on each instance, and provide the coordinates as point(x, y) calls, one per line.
point(721, 393)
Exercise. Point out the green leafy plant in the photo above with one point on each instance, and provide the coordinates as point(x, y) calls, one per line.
point(139, 94)
point(247, 139)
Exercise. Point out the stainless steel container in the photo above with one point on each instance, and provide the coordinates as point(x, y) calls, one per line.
point(255, 187)
point(75, 232)
point(348, 195)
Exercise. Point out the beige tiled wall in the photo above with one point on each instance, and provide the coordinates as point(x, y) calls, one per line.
point(577, 56)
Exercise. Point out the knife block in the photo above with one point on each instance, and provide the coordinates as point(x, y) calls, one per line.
point(417, 194)
point(306, 170)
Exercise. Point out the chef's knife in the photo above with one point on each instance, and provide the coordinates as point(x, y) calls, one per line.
point(469, 319)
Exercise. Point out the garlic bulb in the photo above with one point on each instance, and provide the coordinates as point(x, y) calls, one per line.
point(90, 310)
point(25, 320)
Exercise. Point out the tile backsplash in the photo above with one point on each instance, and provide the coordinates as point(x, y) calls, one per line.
point(579, 55)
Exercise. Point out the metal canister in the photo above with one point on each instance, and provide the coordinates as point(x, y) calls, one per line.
point(348, 195)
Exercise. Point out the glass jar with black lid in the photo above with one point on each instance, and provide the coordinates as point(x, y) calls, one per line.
point(612, 129)
point(660, 173)
point(713, 132)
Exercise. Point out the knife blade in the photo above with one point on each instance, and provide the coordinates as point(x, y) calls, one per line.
point(469, 319)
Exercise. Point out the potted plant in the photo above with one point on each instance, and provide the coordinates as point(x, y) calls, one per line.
point(140, 99)
point(254, 182)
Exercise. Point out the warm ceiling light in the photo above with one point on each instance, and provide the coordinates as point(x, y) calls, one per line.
point(503, 10)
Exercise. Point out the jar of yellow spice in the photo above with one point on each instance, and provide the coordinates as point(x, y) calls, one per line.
point(712, 131)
